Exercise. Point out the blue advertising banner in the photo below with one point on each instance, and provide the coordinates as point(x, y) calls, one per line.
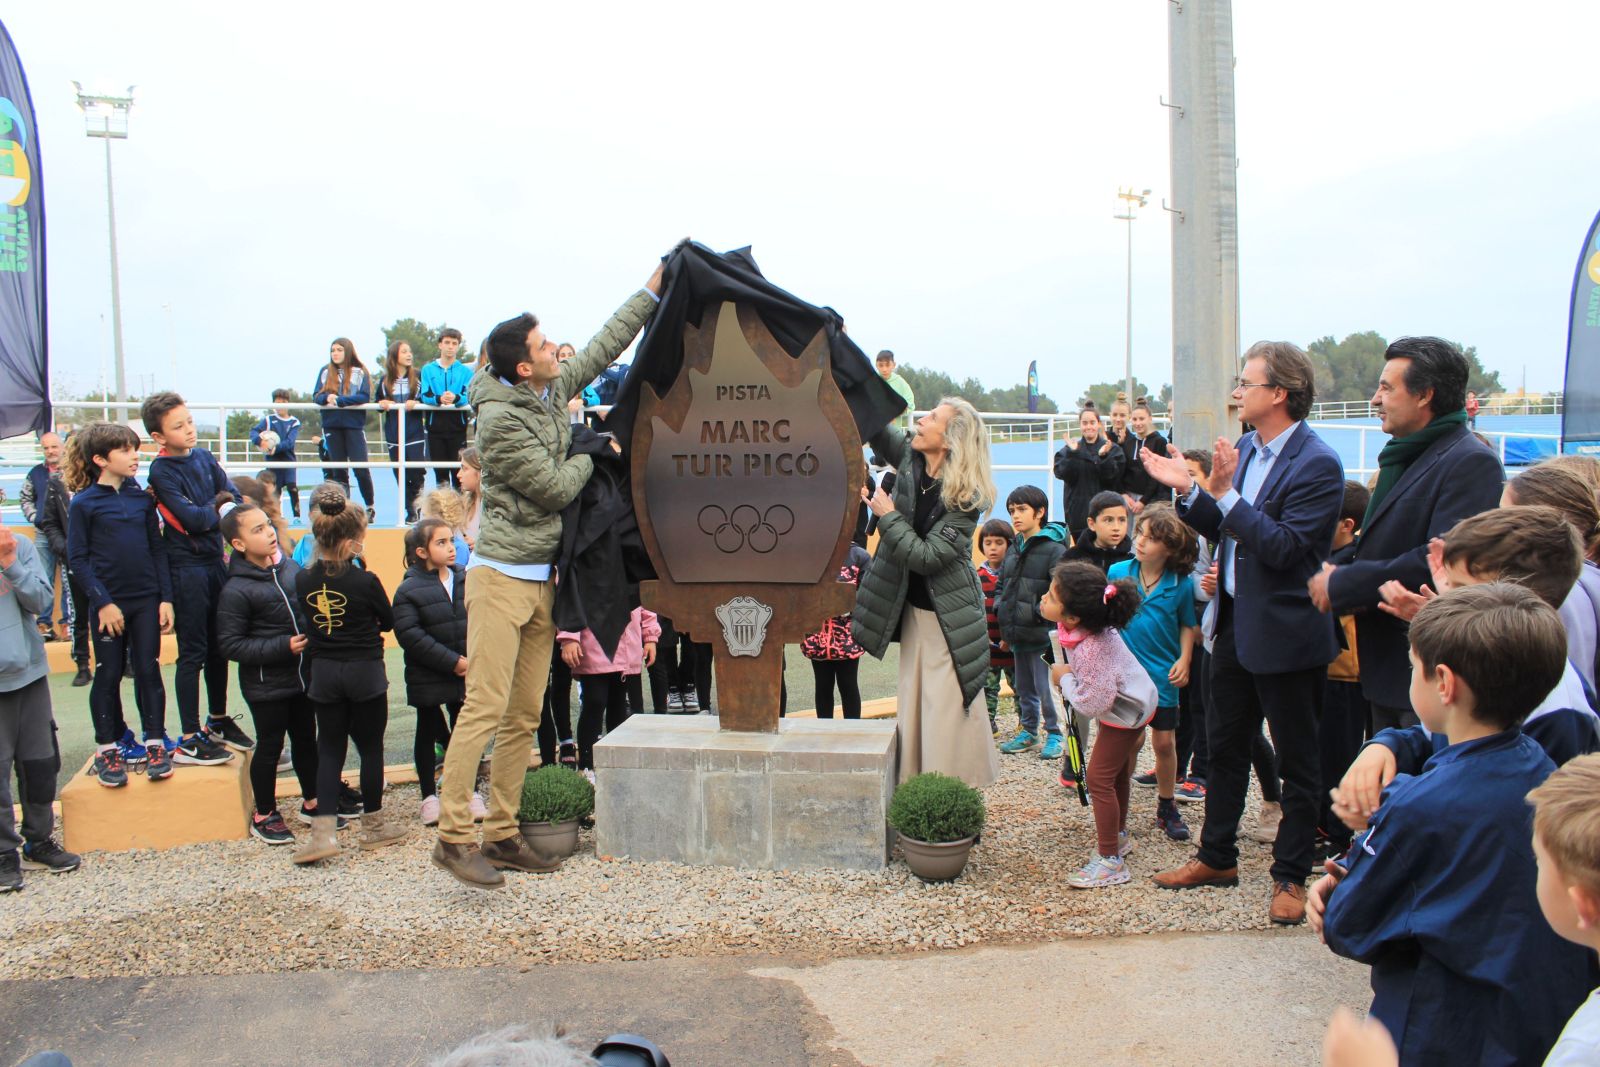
point(1580, 411)
point(24, 363)
point(1033, 387)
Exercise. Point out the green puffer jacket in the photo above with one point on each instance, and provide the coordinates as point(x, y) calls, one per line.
point(523, 439)
point(945, 556)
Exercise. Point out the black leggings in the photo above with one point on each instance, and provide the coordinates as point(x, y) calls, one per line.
point(432, 727)
point(843, 672)
point(351, 447)
point(361, 721)
point(661, 671)
point(274, 719)
point(693, 669)
point(602, 696)
point(555, 720)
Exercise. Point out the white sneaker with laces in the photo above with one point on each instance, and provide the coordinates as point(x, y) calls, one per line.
point(430, 810)
point(478, 807)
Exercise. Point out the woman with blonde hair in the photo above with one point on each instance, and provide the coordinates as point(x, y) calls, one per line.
point(922, 587)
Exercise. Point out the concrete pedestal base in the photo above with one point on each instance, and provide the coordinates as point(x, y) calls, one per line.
point(814, 794)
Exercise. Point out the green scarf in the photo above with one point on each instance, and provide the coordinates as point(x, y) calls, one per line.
point(1401, 452)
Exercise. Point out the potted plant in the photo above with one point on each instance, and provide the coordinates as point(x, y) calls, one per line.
point(938, 818)
point(554, 799)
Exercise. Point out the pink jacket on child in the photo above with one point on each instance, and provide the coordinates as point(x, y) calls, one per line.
point(643, 628)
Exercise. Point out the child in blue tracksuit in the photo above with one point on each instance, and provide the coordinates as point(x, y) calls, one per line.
point(287, 427)
point(116, 552)
point(1438, 895)
point(342, 389)
point(189, 483)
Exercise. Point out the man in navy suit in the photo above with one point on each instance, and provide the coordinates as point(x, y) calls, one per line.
point(1270, 507)
point(1432, 474)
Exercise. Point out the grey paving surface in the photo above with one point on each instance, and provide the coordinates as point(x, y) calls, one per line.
point(1262, 997)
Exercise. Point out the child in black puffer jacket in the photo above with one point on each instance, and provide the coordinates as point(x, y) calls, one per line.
point(430, 622)
point(260, 628)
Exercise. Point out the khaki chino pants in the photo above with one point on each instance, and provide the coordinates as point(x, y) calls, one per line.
point(510, 633)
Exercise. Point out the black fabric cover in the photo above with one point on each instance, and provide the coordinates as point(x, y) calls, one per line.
point(697, 278)
point(593, 564)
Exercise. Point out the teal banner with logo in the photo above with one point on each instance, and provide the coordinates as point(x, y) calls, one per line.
point(24, 359)
point(1033, 387)
point(1580, 409)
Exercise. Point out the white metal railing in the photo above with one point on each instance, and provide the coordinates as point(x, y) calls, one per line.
point(1499, 404)
point(1047, 431)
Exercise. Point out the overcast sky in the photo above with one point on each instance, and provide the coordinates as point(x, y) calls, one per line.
point(945, 179)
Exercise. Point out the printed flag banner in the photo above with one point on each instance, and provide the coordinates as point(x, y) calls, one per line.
point(24, 363)
point(1580, 411)
point(1033, 387)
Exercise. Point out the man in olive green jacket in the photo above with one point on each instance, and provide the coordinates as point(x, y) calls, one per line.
point(520, 394)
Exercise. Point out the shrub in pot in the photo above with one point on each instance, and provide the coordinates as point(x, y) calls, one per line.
point(938, 818)
point(554, 799)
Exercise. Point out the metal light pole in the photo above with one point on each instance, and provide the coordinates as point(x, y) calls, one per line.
point(1132, 200)
point(106, 117)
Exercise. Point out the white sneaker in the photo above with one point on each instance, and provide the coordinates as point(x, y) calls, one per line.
point(589, 775)
point(478, 807)
point(430, 811)
point(1124, 843)
point(1100, 871)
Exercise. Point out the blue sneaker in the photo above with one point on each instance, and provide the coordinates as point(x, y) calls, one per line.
point(1099, 872)
point(1022, 742)
point(132, 751)
point(1170, 821)
point(1052, 747)
point(167, 743)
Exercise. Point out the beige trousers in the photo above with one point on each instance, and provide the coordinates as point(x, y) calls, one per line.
point(938, 733)
point(510, 631)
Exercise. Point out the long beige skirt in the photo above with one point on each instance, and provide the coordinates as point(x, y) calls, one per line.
point(936, 732)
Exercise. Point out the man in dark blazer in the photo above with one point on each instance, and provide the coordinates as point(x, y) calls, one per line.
point(1432, 474)
point(1270, 507)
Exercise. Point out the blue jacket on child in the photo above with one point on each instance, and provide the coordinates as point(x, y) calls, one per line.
point(114, 545)
point(186, 487)
point(1564, 724)
point(288, 431)
point(1440, 900)
point(357, 390)
point(438, 379)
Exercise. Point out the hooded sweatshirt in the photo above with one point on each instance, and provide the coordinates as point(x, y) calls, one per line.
point(24, 593)
point(1024, 579)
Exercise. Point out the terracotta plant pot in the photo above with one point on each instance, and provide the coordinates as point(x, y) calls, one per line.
point(554, 841)
point(936, 861)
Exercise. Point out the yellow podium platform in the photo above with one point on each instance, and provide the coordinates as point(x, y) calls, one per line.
point(195, 804)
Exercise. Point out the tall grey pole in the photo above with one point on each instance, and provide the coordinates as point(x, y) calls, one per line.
point(1205, 231)
point(116, 283)
point(1127, 357)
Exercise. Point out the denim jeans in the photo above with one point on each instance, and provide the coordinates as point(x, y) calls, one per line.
point(1033, 693)
point(48, 561)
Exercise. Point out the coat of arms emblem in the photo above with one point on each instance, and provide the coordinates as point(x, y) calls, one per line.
point(744, 625)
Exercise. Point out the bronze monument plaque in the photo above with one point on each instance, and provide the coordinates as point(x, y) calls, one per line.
point(746, 482)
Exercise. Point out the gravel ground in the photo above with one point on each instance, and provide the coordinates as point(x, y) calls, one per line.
point(242, 907)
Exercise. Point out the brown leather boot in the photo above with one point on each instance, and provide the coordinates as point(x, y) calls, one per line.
point(514, 854)
point(1288, 904)
point(467, 864)
point(1194, 874)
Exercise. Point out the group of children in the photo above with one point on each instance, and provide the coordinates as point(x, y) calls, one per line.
point(1436, 880)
